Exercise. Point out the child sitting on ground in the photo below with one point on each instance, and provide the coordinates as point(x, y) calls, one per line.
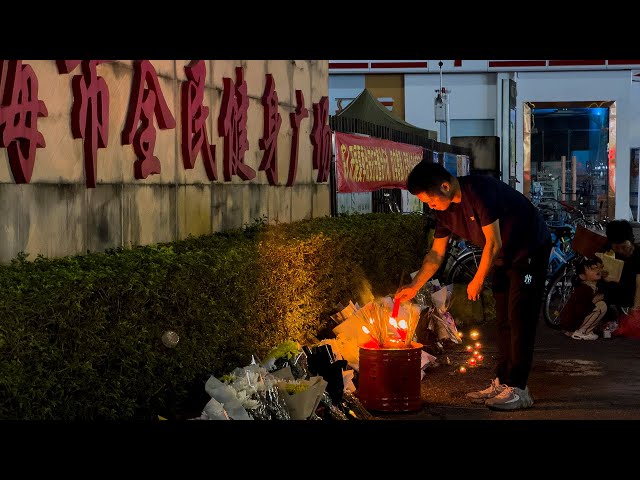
point(586, 307)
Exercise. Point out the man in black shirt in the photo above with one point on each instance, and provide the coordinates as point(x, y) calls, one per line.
point(516, 247)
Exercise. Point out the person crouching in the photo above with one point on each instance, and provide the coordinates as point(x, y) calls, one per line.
point(586, 307)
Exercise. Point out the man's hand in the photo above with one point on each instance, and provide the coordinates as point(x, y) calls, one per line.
point(474, 289)
point(598, 297)
point(405, 293)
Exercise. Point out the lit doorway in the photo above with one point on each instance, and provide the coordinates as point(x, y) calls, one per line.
point(569, 155)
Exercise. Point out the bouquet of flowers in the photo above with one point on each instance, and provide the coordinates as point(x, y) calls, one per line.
point(247, 393)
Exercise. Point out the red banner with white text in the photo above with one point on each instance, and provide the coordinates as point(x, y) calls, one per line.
point(366, 164)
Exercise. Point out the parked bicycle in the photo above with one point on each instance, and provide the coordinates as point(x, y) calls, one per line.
point(562, 265)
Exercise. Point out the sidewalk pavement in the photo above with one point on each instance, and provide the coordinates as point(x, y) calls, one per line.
point(570, 380)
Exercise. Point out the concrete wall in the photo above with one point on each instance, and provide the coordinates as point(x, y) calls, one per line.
point(56, 214)
point(634, 124)
point(472, 97)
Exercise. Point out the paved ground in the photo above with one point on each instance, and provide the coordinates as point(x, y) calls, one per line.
point(570, 380)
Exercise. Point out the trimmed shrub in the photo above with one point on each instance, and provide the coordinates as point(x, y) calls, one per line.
point(80, 336)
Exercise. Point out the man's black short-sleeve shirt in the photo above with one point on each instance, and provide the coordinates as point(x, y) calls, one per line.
point(486, 199)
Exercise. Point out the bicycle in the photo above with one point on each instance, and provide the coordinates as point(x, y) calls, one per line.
point(561, 274)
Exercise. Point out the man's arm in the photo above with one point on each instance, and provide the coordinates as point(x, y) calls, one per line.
point(430, 264)
point(493, 244)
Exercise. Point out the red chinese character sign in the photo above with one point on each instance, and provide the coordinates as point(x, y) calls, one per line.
point(321, 139)
point(90, 111)
point(146, 101)
point(272, 122)
point(365, 164)
point(194, 120)
point(232, 125)
point(295, 118)
point(20, 109)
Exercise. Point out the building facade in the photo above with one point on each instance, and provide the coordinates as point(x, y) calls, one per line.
point(501, 98)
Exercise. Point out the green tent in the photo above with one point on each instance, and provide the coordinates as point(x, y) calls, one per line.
point(367, 108)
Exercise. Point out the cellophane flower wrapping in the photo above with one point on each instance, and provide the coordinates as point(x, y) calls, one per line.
point(248, 393)
point(302, 396)
point(435, 302)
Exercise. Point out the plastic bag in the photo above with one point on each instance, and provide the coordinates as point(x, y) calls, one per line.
point(628, 325)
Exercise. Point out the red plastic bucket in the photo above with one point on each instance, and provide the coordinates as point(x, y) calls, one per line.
point(389, 378)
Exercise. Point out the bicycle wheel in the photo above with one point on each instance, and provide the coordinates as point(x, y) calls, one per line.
point(556, 295)
point(465, 267)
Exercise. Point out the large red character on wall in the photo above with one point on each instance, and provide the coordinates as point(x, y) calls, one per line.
point(321, 139)
point(19, 112)
point(295, 118)
point(90, 111)
point(194, 120)
point(272, 122)
point(232, 125)
point(145, 101)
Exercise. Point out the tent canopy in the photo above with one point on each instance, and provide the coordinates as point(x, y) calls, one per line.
point(366, 107)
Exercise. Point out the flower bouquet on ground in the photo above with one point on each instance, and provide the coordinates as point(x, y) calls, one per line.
point(248, 393)
point(302, 396)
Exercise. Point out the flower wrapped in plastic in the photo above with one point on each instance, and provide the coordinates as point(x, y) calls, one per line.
point(302, 396)
point(287, 354)
point(441, 322)
point(246, 394)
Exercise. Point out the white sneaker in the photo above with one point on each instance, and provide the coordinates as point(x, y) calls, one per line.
point(491, 391)
point(577, 335)
point(511, 398)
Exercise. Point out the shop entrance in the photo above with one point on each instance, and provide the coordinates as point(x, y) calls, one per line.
point(569, 155)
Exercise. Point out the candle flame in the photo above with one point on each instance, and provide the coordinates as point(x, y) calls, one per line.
point(402, 324)
point(393, 322)
point(365, 330)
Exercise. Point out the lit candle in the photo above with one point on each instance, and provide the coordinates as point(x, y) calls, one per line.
point(472, 361)
point(469, 348)
point(462, 369)
point(474, 334)
point(459, 334)
point(476, 353)
point(480, 358)
point(478, 345)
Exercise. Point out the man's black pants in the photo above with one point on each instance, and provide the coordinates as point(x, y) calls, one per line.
point(518, 290)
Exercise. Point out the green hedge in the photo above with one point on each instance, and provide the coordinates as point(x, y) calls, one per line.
point(80, 337)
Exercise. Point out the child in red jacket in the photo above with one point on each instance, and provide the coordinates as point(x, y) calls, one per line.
point(586, 307)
